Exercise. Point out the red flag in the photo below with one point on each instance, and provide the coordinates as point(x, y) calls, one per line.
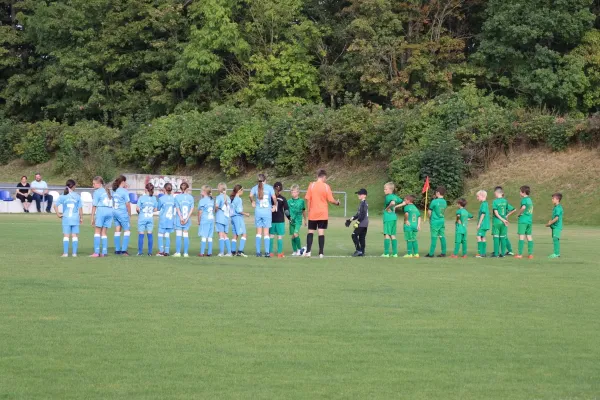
point(426, 185)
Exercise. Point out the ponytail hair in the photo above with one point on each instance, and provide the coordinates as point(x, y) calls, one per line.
point(208, 190)
point(261, 185)
point(69, 185)
point(184, 186)
point(120, 179)
point(98, 179)
point(235, 191)
point(150, 189)
point(168, 188)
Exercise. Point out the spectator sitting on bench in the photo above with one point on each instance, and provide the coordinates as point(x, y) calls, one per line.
point(24, 194)
point(40, 193)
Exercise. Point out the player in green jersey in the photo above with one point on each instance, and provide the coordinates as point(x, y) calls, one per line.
point(412, 226)
point(525, 222)
point(509, 250)
point(297, 218)
point(483, 224)
point(390, 219)
point(556, 224)
point(500, 210)
point(436, 219)
point(462, 220)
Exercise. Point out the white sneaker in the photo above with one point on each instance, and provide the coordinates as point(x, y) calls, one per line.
point(220, 255)
point(295, 254)
point(65, 255)
point(186, 255)
point(228, 255)
point(321, 256)
point(307, 254)
point(177, 255)
point(74, 255)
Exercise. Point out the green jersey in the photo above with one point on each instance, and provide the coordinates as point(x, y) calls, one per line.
point(438, 208)
point(297, 206)
point(557, 212)
point(501, 205)
point(527, 216)
point(391, 215)
point(413, 215)
point(462, 220)
point(484, 210)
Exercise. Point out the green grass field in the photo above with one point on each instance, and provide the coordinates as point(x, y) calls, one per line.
point(338, 328)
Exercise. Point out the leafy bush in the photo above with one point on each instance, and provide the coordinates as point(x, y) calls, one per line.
point(10, 136)
point(239, 148)
point(39, 141)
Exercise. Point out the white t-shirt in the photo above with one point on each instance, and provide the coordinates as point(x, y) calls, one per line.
point(39, 186)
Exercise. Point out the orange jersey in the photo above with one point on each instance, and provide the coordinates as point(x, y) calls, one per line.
point(318, 197)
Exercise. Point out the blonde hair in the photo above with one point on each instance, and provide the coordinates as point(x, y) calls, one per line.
point(222, 187)
point(482, 193)
point(295, 187)
point(207, 189)
point(390, 185)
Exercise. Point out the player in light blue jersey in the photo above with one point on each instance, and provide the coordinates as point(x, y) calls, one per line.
point(102, 216)
point(206, 221)
point(166, 220)
point(265, 204)
point(121, 214)
point(146, 207)
point(223, 218)
point(184, 206)
point(238, 225)
point(71, 215)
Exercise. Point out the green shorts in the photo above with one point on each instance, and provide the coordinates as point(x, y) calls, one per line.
point(277, 229)
point(410, 233)
point(499, 229)
point(524, 229)
point(389, 228)
point(438, 231)
point(460, 237)
point(556, 233)
point(295, 227)
point(482, 232)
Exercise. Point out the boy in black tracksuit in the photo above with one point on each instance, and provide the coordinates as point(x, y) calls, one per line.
point(361, 223)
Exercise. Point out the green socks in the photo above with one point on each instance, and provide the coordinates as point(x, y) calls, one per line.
point(294, 247)
point(496, 246)
point(386, 246)
point(443, 241)
point(502, 245)
point(508, 245)
point(456, 247)
point(409, 248)
point(279, 246)
point(521, 246)
point(556, 242)
point(394, 246)
point(530, 247)
point(415, 247)
point(433, 245)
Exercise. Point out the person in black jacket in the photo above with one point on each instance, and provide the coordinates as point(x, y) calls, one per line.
point(361, 224)
point(278, 221)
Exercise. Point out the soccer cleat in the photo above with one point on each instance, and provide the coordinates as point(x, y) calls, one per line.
point(494, 256)
point(465, 256)
point(501, 256)
point(165, 254)
point(258, 255)
point(395, 256)
point(117, 253)
point(385, 255)
point(241, 254)
point(441, 256)
point(280, 255)
point(429, 256)
point(357, 254)
point(124, 253)
point(186, 255)
point(140, 254)
point(416, 256)
point(408, 256)
point(295, 254)
point(149, 254)
point(220, 255)
point(530, 256)
point(228, 255)
point(200, 255)
point(306, 254)
point(65, 255)
point(160, 254)
point(554, 256)
point(267, 255)
point(271, 255)
point(177, 255)
point(453, 256)
point(509, 253)
point(75, 255)
point(103, 255)
point(478, 256)
point(518, 256)
point(321, 255)
point(209, 255)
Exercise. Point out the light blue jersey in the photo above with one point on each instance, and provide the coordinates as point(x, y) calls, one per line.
point(71, 204)
point(222, 205)
point(237, 207)
point(147, 204)
point(104, 209)
point(207, 220)
point(166, 219)
point(185, 204)
point(120, 213)
point(238, 226)
point(263, 206)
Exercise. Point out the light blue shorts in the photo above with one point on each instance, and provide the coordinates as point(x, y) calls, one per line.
point(165, 230)
point(206, 230)
point(104, 217)
point(145, 226)
point(238, 226)
point(262, 221)
point(122, 220)
point(180, 227)
point(222, 228)
point(70, 229)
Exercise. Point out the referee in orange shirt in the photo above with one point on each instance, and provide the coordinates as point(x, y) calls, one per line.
point(318, 198)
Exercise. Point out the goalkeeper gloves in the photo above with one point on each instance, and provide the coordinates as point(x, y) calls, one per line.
point(348, 223)
point(356, 224)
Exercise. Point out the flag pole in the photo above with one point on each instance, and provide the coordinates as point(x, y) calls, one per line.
point(425, 211)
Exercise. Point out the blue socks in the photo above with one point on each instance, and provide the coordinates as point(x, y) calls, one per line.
point(161, 247)
point(178, 242)
point(267, 244)
point(210, 242)
point(167, 243)
point(105, 245)
point(233, 245)
point(258, 239)
point(117, 241)
point(65, 245)
point(97, 244)
point(242, 244)
point(221, 246)
point(227, 246)
point(75, 245)
point(202, 245)
point(186, 242)
point(150, 243)
point(140, 243)
point(125, 241)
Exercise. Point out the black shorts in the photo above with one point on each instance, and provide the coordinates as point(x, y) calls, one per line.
point(320, 224)
point(24, 198)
